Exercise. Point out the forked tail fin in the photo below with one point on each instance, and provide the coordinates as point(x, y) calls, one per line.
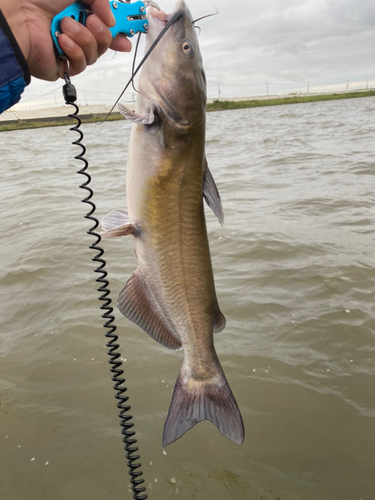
point(196, 400)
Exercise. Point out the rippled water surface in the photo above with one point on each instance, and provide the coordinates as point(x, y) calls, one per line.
point(294, 269)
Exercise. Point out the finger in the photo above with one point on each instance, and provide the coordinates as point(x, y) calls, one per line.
point(121, 44)
point(100, 32)
point(81, 36)
point(103, 10)
point(75, 54)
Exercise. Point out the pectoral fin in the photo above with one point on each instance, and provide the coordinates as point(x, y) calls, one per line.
point(212, 196)
point(116, 224)
point(146, 118)
point(137, 303)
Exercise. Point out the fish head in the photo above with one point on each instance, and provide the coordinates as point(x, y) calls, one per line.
point(173, 76)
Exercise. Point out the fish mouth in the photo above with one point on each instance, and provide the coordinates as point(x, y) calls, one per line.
point(158, 19)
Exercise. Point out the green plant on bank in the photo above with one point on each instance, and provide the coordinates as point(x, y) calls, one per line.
point(53, 122)
point(223, 105)
point(217, 105)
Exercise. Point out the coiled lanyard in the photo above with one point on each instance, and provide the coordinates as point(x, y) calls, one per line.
point(70, 96)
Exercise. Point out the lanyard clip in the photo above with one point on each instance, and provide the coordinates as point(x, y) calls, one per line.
point(69, 90)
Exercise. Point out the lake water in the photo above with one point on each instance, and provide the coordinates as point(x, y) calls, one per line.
point(295, 275)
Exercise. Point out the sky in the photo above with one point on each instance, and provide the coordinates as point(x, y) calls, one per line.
point(251, 48)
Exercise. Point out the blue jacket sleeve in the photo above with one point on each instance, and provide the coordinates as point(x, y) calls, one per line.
point(14, 73)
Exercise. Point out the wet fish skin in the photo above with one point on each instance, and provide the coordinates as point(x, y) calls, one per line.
point(172, 293)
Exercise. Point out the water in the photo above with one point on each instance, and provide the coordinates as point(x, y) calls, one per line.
point(295, 277)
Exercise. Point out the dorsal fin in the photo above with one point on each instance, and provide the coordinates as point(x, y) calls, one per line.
point(137, 303)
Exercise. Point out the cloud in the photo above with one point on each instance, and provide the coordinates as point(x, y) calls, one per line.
point(249, 43)
point(278, 41)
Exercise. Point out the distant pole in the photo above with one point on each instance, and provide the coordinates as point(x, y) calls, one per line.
point(308, 87)
point(219, 91)
point(267, 87)
point(366, 84)
point(347, 85)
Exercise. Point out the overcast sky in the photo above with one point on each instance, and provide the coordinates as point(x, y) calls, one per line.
point(252, 43)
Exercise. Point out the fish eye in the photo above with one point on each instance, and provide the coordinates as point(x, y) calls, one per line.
point(188, 48)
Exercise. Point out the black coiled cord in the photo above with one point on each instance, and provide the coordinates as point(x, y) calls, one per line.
point(112, 344)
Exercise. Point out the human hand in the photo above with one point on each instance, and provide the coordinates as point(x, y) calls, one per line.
point(30, 22)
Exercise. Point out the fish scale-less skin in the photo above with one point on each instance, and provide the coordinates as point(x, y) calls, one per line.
point(177, 264)
point(172, 293)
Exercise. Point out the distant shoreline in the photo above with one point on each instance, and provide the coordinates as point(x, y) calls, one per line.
point(216, 105)
point(293, 99)
point(57, 122)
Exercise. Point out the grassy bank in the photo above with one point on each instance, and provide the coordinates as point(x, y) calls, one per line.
point(214, 106)
point(223, 105)
point(23, 124)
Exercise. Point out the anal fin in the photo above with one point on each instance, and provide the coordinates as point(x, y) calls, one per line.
point(138, 305)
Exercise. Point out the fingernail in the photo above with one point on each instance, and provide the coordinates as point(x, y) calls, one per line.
point(96, 24)
point(113, 19)
point(70, 25)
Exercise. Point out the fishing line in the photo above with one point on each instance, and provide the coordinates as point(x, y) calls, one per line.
point(172, 20)
point(70, 96)
point(42, 95)
point(135, 58)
